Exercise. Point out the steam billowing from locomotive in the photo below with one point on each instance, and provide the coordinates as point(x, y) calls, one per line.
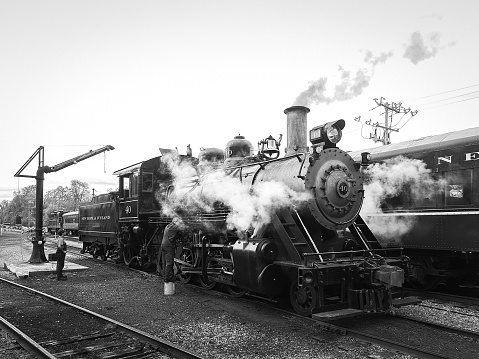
point(393, 178)
point(249, 208)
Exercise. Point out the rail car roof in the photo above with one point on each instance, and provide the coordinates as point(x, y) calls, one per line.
point(448, 140)
point(136, 167)
point(129, 169)
point(72, 213)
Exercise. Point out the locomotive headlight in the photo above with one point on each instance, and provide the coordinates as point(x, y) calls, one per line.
point(365, 159)
point(334, 134)
point(329, 134)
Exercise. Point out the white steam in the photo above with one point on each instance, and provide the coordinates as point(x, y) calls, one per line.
point(349, 87)
point(352, 83)
point(248, 208)
point(395, 177)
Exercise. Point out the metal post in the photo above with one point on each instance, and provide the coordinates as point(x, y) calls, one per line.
point(386, 125)
point(38, 252)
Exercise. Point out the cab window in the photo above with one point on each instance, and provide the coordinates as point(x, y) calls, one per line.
point(124, 187)
point(134, 184)
point(147, 182)
point(429, 196)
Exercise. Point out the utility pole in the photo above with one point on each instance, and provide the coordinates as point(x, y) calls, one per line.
point(1, 219)
point(390, 110)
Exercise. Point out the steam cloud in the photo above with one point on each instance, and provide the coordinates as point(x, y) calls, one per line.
point(248, 208)
point(349, 87)
point(390, 179)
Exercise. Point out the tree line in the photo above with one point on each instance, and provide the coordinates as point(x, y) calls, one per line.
point(21, 209)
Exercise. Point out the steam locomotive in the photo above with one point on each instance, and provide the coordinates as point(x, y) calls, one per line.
point(442, 239)
point(55, 222)
point(255, 223)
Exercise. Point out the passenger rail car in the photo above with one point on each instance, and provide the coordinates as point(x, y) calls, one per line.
point(443, 242)
point(70, 223)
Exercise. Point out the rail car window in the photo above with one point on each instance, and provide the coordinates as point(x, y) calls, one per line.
point(147, 182)
point(429, 193)
point(458, 188)
point(134, 184)
point(124, 187)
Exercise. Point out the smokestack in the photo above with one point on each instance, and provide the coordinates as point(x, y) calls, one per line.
point(297, 131)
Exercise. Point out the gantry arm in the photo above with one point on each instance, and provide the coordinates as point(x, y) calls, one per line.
point(77, 159)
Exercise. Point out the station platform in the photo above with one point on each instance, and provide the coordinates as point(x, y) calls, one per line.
point(15, 251)
point(23, 270)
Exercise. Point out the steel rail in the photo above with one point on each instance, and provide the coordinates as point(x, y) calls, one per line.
point(163, 345)
point(444, 296)
point(465, 332)
point(24, 340)
point(404, 348)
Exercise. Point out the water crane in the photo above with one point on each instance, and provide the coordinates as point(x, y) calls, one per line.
point(38, 252)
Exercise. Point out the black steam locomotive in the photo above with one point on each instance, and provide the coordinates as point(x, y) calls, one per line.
point(55, 222)
point(442, 238)
point(254, 222)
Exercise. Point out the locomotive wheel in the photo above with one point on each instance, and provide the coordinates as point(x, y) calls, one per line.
point(235, 291)
point(426, 282)
point(207, 284)
point(303, 299)
point(129, 256)
point(185, 256)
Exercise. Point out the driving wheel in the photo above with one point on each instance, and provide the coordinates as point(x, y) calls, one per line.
point(303, 299)
point(185, 256)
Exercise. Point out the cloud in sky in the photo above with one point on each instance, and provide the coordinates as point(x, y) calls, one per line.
point(417, 50)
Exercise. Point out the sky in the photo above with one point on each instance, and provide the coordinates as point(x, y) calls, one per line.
point(142, 75)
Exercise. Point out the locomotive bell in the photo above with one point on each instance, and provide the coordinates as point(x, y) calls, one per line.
point(270, 147)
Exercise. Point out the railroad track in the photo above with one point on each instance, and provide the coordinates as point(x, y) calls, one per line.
point(392, 332)
point(466, 301)
point(396, 344)
point(42, 325)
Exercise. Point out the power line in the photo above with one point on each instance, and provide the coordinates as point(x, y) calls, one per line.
point(445, 104)
point(449, 98)
point(442, 93)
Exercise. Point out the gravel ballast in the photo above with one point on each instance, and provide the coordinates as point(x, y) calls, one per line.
point(211, 324)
